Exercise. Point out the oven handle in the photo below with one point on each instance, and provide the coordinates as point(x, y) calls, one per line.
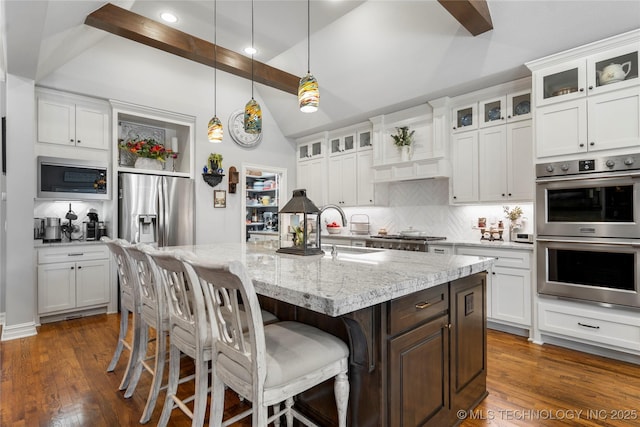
point(634, 244)
point(581, 177)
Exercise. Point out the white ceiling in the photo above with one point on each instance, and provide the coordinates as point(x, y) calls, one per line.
point(370, 57)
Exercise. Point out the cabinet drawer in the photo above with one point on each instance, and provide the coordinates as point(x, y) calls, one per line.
point(504, 257)
point(599, 325)
point(72, 253)
point(410, 310)
point(441, 249)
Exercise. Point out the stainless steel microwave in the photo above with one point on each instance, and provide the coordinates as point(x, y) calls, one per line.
point(72, 179)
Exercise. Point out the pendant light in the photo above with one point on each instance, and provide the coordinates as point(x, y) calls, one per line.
point(214, 130)
point(308, 92)
point(252, 111)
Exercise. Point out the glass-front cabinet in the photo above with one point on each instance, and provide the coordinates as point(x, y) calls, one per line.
point(604, 72)
point(310, 150)
point(519, 106)
point(492, 111)
point(342, 144)
point(465, 118)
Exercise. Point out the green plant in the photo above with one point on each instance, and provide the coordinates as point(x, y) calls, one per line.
point(215, 161)
point(514, 213)
point(149, 148)
point(403, 136)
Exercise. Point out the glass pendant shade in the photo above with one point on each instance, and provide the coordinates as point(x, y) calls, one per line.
point(308, 94)
point(215, 131)
point(252, 117)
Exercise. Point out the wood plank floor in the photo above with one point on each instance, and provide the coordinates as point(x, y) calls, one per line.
point(58, 378)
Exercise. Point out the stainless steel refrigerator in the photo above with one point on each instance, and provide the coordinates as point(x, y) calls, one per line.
point(155, 209)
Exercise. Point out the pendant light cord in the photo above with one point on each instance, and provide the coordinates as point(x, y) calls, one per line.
point(215, 58)
point(308, 36)
point(252, 47)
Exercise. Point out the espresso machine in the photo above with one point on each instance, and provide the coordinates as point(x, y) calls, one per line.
point(91, 228)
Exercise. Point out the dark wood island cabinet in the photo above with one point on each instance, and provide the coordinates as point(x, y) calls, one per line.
point(415, 360)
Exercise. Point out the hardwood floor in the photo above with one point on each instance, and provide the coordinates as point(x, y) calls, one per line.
point(59, 378)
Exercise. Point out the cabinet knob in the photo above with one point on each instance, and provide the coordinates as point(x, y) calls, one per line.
point(590, 87)
point(509, 194)
point(581, 145)
point(71, 140)
point(78, 141)
point(423, 305)
point(509, 116)
point(79, 267)
point(581, 89)
point(454, 128)
point(502, 194)
point(72, 268)
point(592, 143)
point(454, 197)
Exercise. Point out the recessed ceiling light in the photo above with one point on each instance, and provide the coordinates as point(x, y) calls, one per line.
point(168, 17)
point(250, 50)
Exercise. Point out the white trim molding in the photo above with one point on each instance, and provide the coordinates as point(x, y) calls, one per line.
point(22, 330)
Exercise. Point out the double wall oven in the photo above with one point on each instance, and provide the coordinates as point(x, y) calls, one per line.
point(588, 229)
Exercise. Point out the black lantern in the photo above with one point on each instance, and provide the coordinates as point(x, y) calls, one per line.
point(303, 236)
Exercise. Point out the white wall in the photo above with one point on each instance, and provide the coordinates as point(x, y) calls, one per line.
point(20, 184)
point(127, 71)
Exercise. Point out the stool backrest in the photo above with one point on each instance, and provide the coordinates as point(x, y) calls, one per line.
point(125, 273)
point(183, 296)
point(226, 287)
point(154, 308)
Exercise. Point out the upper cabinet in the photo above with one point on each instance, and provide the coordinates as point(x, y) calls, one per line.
point(172, 130)
point(588, 99)
point(70, 122)
point(312, 167)
point(492, 145)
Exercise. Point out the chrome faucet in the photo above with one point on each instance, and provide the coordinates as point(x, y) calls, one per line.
point(339, 209)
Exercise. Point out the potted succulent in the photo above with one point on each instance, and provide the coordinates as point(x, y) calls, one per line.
point(403, 139)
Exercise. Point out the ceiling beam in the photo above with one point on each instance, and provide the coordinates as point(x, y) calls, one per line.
point(474, 15)
point(138, 28)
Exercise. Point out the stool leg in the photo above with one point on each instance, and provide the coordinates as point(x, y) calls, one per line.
point(289, 414)
point(341, 391)
point(200, 401)
point(216, 411)
point(158, 373)
point(172, 387)
point(124, 326)
point(133, 354)
point(141, 355)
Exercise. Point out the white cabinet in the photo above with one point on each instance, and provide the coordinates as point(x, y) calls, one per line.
point(341, 144)
point(365, 191)
point(465, 167)
point(508, 284)
point(492, 146)
point(613, 328)
point(70, 120)
point(493, 164)
point(588, 99)
point(312, 167)
point(72, 278)
point(342, 180)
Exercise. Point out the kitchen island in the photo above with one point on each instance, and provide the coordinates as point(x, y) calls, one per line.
point(415, 324)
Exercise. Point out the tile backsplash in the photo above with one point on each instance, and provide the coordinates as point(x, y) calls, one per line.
point(424, 205)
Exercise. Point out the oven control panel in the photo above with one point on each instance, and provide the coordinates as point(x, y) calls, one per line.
point(586, 166)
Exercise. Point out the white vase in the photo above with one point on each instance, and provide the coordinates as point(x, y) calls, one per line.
point(405, 153)
point(149, 164)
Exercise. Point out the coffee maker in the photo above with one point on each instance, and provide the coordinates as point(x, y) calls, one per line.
point(91, 228)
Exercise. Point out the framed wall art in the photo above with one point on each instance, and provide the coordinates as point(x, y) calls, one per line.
point(219, 199)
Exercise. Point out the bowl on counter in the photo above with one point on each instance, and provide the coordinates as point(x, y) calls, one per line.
point(334, 230)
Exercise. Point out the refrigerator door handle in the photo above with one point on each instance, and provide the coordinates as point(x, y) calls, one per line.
point(162, 213)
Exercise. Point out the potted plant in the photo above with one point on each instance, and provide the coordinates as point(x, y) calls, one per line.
point(145, 153)
point(514, 219)
point(403, 139)
point(215, 163)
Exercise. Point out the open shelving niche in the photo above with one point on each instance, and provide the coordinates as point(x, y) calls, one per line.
point(251, 196)
point(160, 124)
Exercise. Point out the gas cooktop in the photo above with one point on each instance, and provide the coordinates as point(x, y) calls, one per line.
point(405, 237)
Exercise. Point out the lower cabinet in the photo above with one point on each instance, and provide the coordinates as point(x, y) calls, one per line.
point(508, 284)
point(437, 363)
point(72, 278)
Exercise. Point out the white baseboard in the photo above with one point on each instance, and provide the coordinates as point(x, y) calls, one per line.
point(22, 330)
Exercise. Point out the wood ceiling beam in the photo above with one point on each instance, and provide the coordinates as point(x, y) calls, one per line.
point(138, 28)
point(474, 15)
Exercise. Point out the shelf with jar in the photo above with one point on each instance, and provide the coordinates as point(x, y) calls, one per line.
point(262, 192)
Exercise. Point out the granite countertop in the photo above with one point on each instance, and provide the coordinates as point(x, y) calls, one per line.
point(38, 243)
point(354, 279)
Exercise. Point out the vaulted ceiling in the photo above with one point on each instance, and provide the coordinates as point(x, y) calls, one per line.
point(370, 57)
